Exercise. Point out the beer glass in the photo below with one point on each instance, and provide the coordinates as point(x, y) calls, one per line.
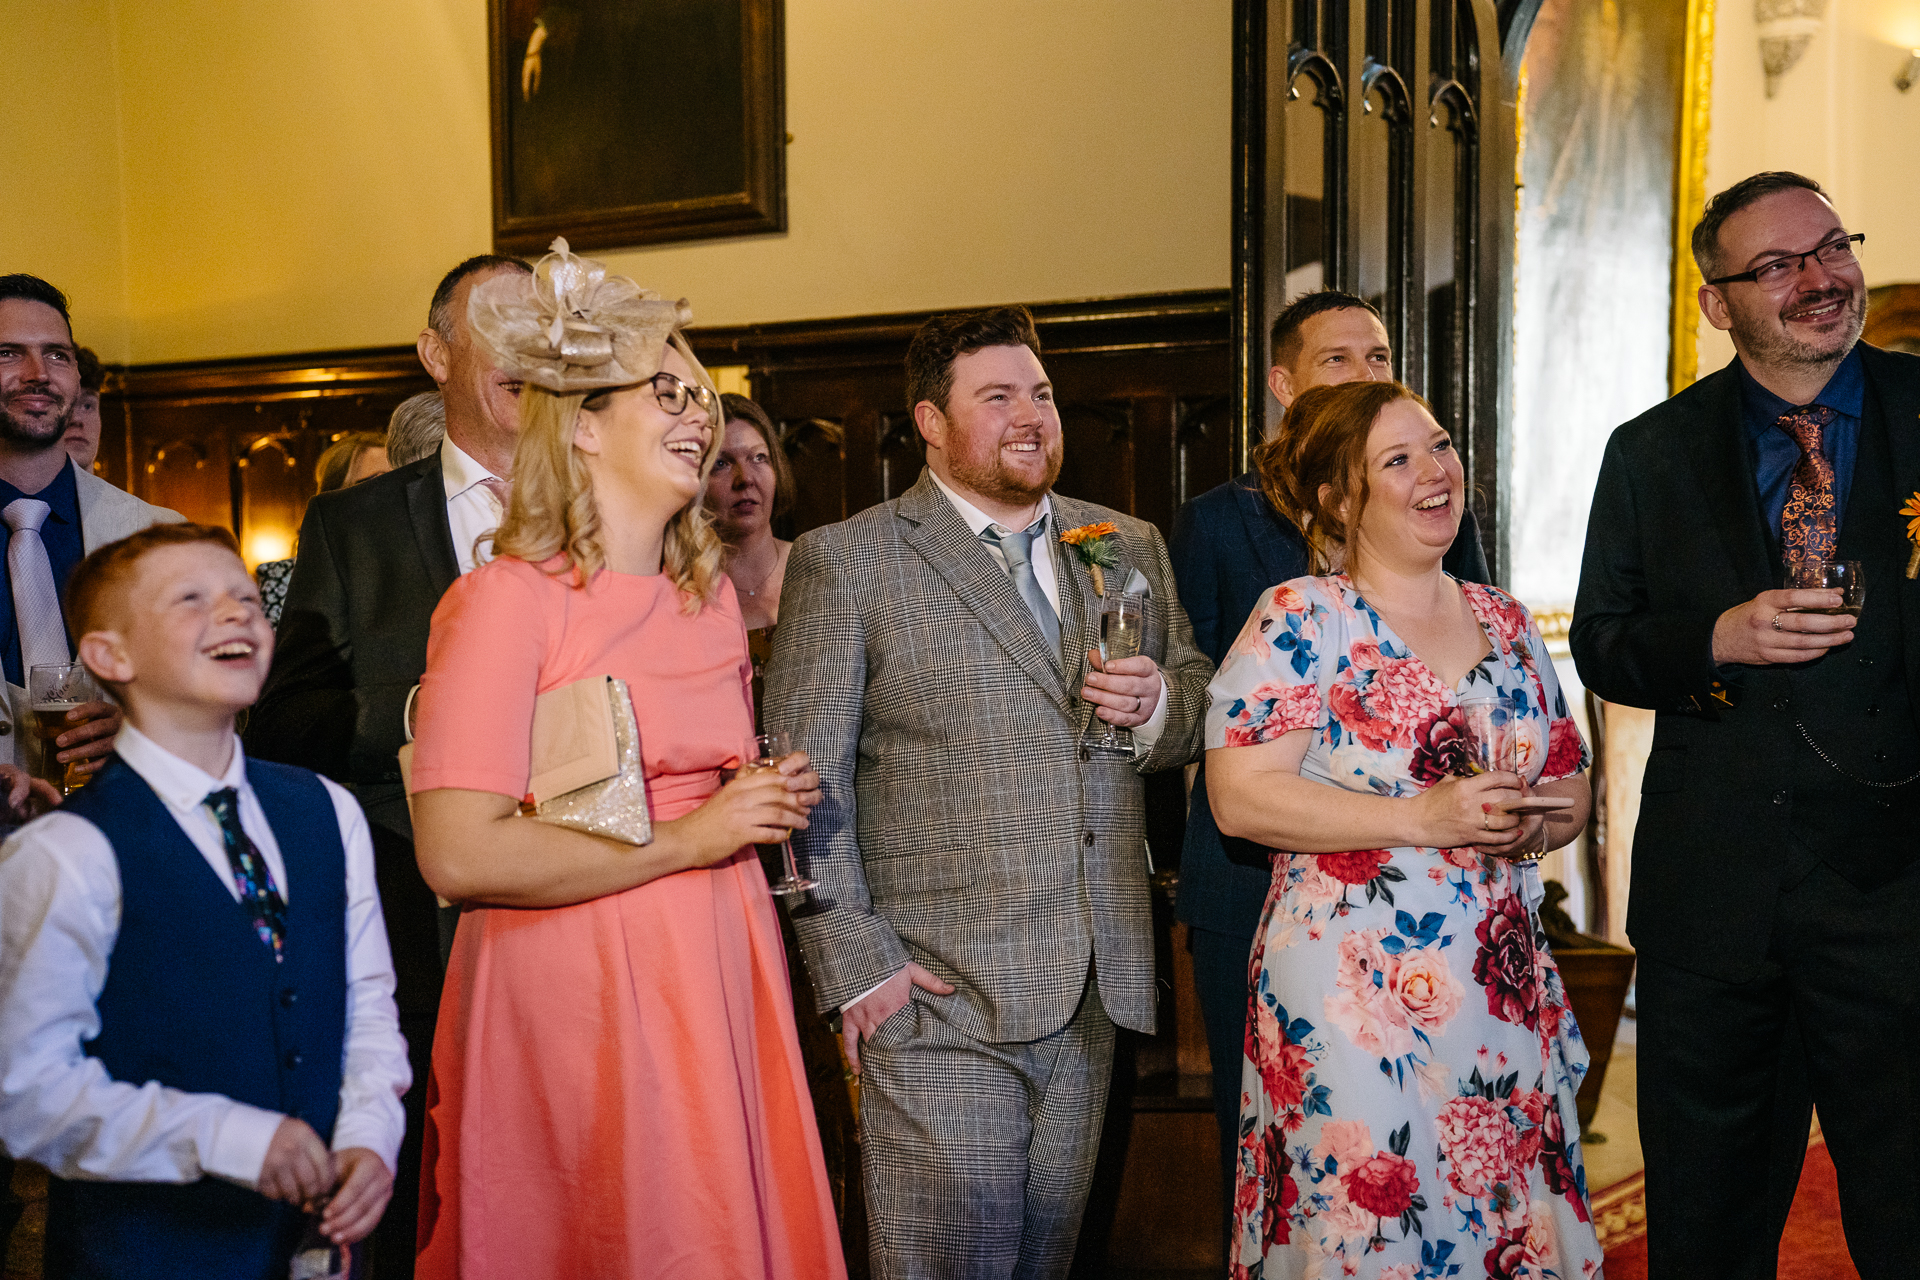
point(52, 691)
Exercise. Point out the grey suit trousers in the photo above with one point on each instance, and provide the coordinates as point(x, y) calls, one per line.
point(978, 1157)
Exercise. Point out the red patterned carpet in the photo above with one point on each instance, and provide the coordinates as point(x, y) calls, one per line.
point(1812, 1248)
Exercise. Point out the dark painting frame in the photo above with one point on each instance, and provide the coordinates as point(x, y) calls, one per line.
point(740, 194)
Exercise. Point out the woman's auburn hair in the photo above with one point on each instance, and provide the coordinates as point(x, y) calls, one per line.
point(1322, 443)
point(551, 509)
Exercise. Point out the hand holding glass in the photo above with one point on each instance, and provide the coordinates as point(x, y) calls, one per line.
point(1122, 623)
point(52, 692)
point(1848, 577)
point(764, 753)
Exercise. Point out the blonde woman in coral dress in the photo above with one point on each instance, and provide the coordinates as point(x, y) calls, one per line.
point(617, 1090)
point(1407, 1107)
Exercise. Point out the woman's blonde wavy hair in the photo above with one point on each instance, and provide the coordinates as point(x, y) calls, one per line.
point(1323, 441)
point(552, 510)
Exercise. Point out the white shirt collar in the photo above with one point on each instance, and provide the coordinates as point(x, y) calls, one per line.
point(977, 519)
point(459, 469)
point(183, 786)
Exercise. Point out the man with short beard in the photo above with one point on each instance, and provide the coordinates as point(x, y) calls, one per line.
point(982, 919)
point(55, 512)
point(1776, 890)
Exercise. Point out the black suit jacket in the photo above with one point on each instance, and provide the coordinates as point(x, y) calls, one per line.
point(1675, 538)
point(1230, 545)
point(374, 560)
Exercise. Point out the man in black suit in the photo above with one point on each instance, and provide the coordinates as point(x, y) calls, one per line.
point(374, 560)
point(1229, 545)
point(1776, 896)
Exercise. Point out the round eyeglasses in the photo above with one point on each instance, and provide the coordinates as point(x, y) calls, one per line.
point(1834, 254)
point(673, 394)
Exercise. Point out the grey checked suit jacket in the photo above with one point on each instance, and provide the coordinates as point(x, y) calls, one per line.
point(962, 826)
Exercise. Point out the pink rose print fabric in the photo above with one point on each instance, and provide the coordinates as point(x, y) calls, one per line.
point(1407, 1096)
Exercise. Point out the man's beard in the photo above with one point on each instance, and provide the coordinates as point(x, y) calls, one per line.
point(992, 480)
point(1772, 343)
point(33, 434)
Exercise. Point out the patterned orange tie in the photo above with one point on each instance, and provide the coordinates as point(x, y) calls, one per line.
point(1809, 526)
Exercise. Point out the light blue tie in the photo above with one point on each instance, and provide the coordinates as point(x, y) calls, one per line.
point(1018, 549)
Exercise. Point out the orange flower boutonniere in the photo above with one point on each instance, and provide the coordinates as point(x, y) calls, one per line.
point(1093, 543)
point(1913, 533)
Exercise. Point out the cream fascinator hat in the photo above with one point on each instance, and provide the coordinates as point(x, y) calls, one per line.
point(570, 327)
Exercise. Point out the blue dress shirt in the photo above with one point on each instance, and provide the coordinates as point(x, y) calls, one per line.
point(65, 550)
point(1776, 453)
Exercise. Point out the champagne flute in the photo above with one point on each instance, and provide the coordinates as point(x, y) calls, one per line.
point(52, 691)
point(764, 753)
point(1122, 623)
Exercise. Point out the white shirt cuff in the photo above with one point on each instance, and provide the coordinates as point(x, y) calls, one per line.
point(869, 991)
point(1144, 736)
point(240, 1141)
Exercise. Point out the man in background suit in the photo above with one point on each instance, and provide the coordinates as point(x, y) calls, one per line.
point(374, 560)
point(1229, 546)
point(56, 512)
point(982, 917)
point(1776, 896)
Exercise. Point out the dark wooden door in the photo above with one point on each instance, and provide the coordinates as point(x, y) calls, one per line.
point(1374, 153)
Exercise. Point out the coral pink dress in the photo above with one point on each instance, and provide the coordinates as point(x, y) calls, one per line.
point(617, 1089)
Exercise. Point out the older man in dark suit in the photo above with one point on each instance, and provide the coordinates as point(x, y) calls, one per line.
point(1776, 891)
point(374, 560)
point(982, 916)
point(1230, 545)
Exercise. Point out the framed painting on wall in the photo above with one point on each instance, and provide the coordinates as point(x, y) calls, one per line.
point(632, 122)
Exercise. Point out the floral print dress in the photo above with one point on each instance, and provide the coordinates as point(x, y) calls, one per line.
point(1407, 1104)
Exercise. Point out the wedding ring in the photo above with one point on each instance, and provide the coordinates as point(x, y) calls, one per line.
point(1136, 705)
point(1776, 622)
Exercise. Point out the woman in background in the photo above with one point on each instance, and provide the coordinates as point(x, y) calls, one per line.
point(617, 1090)
point(355, 456)
point(751, 486)
point(1407, 1102)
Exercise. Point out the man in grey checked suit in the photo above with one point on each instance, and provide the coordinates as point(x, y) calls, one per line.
point(982, 916)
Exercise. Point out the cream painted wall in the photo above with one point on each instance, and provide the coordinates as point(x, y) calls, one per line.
point(298, 175)
point(61, 211)
point(1835, 117)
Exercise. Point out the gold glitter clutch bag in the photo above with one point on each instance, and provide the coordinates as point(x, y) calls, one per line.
point(586, 761)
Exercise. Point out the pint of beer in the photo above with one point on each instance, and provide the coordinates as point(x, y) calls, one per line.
point(52, 692)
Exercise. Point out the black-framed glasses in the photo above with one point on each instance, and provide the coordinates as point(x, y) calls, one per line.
point(674, 395)
point(1773, 274)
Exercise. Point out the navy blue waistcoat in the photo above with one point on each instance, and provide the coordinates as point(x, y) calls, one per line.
point(195, 1001)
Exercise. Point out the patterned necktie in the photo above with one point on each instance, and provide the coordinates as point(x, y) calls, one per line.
point(250, 873)
point(1018, 549)
point(36, 601)
point(1809, 526)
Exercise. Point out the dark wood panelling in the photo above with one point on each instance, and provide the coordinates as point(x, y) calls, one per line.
point(1141, 383)
point(234, 442)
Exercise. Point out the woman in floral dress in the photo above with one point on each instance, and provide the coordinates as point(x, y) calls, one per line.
point(1407, 1106)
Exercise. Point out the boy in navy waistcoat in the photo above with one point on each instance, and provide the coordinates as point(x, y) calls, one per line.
point(197, 1029)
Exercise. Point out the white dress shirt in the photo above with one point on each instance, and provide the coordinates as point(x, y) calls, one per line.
point(472, 510)
point(59, 918)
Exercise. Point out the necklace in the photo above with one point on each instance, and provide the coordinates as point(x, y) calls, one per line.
point(755, 589)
